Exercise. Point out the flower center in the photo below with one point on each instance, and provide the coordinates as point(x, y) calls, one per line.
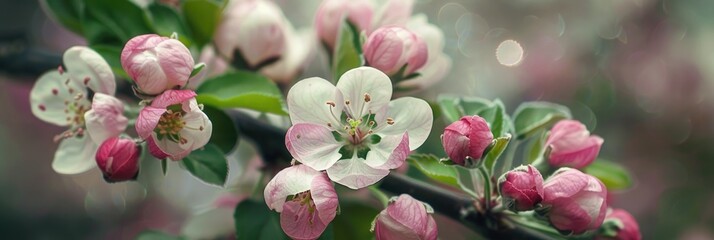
point(305, 201)
point(355, 129)
point(171, 123)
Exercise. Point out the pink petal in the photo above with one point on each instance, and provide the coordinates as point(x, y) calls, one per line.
point(387, 228)
point(172, 97)
point(324, 197)
point(389, 153)
point(135, 46)
point(154, 149)
point(384, 50)
point(148, 119)
point(354, 173)
point(564, 183)
point(393, 13)
point(410, 212)
point(287, 182)
point(299, 223)
point(176, 61)
point(313, 145)
point(106, 118)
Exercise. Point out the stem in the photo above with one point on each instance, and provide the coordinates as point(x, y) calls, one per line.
point(486, 187)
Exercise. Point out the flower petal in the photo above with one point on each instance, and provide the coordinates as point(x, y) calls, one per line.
point(355, 84)
point(172, 97)
point(106, 118)
point(313, 145)
point(299, 223)
point(393, 13)
point(325, 198)
point(197, 130)
point(307, 102)
point(411, 115)
point(175, 61)
point(410, 212)
point(354, 173)
point(387, 228)
point(389, 153)
point(148, 119)
point(289, 181)
point(75, 155)
point(299, 52)
point(51, 96)
point(89, 68)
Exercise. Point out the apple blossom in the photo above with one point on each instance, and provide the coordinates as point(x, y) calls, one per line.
point(174, 125)
point(624, 224)
point(299, 49)
point(438, 64)
point(118, 158)
point(352, 130)
point(305, 198)
point(393, 13)
point(571, 145)
point(574, 201)
point(391, 48)
point(405, 218)
point(61, 97)
point(253, 29)
point(330, 13)
point(156, 63)
point(467, 138)
point(521, 188)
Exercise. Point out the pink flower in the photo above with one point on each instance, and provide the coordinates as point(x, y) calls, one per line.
point(521, 188)
point(61, 98)
point(468, 137)
point(174, 125)
point(118, 158)
point(156, 63)
point(391, 48)
point(330, 14)
point(253, 29)
point(576, 201)
point(377, 134)
point(572, 145)
point(626, 226)
point(313, 202)
point(405, 218)
point(438, 64)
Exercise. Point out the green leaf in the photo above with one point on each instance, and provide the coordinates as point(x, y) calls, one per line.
point(253, 220)
point(164, 166)
point(494, 112)
point(536, 148)
point(434, 169)
point(354, 220)
point(496, 150)
point(167, 21)
point(495, 115)
point(202, 17)
point(533, 116)
point(347, 51)
point(112, 54)
point(208, 164)
point(113, 22)
point(613, 175)
point(242, 90)
point(66, 12)
point(156, 235)
point(197, 69)
point(450, 107)
point(224, 135)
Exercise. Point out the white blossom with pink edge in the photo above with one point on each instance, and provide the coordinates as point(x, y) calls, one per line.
point(353, 130)
point(156, 63)
point(61, 97)
point(175, 124)
point(313, 204)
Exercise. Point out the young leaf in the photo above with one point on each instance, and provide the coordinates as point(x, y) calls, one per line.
point(224, 135)
point(613, 175)
point(242, 90)
point(432, 168)
point(498, 147)
point(253, 220)
point(166, 21)
point(197, 69)
point(347, 50)
point(66, 12)
point(113, 22)
point(208, 164)
point(533, 116)
point(536, 147)
point(450, 107)
point(202, 17)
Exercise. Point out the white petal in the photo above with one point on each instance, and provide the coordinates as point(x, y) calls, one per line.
point(356, 83)
point(313, 145)
point(355, 174)
point(411, 115)
point(289, 181)
point(106, 118)
point(433, 71)
point(300, 48)
point(51, 96)
point(83, 63)
point(307, 102)
point(389, 153)
point(75, 155)
point(197, 130)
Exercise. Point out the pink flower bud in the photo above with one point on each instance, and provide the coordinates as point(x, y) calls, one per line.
point(331, 12)
point(575, 201)
point(390, 48)
point(468, 137)
point(572, 145)
point(118, 159)
point(521, 188)
point(625, 225)
point(156, 63)
point(254, 29)
point(405, 218)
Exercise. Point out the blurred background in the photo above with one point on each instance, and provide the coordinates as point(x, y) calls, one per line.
point(639, 73)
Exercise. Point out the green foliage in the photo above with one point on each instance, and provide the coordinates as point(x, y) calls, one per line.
point(113, 22)
point(494, 112)
point(66, 12)
point(430, 166)
point(496, 149)
point(354, 220)
point(347, 50)
point(242, 90)
point(253, 220)
point(156, 235)
point(225, 134)
point(533, 116)
point(166, 21)
point(208, 164)
point(613, 175)
point(202, 18)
